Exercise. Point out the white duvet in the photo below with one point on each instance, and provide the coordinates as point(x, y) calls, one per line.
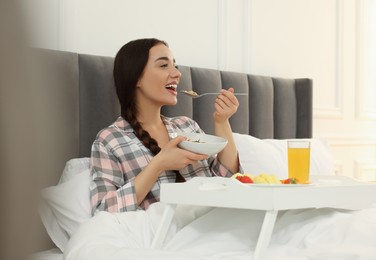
point(221, 233)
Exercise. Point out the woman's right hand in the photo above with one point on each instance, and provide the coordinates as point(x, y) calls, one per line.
point(171, 157)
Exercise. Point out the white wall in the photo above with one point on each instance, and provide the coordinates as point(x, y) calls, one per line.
point(331, 41)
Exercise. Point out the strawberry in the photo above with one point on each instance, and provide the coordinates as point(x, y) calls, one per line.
point(289, 181)
point(285, 181)
point(239, 177)
point(246, 179)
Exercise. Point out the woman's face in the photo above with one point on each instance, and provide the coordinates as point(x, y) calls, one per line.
point(158, 83)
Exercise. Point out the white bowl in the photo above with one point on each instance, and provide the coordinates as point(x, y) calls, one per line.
point(202, 143)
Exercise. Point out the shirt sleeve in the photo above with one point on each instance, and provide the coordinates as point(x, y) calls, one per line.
point(216, 167)
point(108, 191)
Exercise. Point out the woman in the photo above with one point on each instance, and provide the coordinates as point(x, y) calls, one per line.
point(132, 157)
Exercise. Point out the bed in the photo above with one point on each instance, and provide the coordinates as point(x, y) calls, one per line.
point(275, 109)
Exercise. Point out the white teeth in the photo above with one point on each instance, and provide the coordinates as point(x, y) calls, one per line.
point(171, 86)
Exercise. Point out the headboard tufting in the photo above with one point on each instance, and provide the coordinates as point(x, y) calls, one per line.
point(276, 108)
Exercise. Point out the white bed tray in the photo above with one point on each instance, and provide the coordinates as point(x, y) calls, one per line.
point(324, 192)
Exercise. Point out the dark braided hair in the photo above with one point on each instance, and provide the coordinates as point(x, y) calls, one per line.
point(129, 65)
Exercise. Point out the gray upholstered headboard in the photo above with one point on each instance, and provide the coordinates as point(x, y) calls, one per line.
point(86, 101)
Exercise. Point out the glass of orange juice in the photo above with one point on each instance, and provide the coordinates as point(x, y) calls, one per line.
point(299, 160)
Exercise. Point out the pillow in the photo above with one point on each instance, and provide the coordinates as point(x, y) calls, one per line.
point(65, 206)
point(74, 167)
point(270, 156)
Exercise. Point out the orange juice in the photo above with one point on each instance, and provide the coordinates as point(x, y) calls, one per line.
point(299, 162)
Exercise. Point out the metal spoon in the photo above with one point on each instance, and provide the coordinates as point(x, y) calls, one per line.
point(193, 94)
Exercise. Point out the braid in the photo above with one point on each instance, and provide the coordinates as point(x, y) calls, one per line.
point(141, 134)
point(145, 137)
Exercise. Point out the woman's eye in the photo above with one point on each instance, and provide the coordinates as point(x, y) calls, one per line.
point(176, 67)
point(164, 65)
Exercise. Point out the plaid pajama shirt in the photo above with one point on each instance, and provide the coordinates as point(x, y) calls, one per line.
point(118, 156)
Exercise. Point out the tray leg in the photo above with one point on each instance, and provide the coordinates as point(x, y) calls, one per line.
point(162, 229)
point(265, 234)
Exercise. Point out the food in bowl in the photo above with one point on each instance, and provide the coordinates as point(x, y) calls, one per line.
point(195, 141)
point(202, 143)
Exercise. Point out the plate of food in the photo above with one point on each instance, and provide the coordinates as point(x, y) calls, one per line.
point(202, 143)
point(268, 180)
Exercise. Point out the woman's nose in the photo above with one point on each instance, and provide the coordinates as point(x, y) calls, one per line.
point(176, 73)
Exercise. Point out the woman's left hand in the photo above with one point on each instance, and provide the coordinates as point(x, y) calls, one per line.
point(225, 105)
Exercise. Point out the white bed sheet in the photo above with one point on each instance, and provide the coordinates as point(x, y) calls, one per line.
point(51, 254)
point(220, 233)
